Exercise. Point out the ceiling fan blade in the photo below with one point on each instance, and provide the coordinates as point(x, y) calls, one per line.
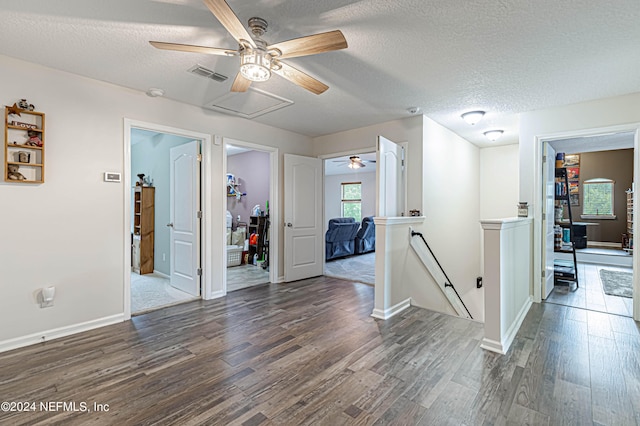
point(229, 20)
point(240, 84)
point(192, 48)
point(311, 45)
point(301, 79)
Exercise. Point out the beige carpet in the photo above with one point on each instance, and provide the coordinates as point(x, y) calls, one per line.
point(360, 268)
point(153, 291)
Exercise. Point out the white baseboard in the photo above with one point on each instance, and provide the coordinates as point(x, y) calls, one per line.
point(393, 310)
point(56, 333)
point(507, 339)
point(216, 295)
point(493, 346)
point(162, 274)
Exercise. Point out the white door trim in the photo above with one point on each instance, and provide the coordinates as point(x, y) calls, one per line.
point(274, 206)
point(538, 234)
point(205, 140)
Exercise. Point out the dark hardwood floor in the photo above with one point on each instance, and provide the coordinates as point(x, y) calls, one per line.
point(309, 353)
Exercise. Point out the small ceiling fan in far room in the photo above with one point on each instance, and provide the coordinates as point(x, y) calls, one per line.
point(258, 59)
point(354, 162)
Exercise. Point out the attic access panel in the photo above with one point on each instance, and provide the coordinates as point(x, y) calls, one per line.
point(250, 104)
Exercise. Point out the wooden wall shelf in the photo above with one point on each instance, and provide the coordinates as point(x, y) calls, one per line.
point(29, 159)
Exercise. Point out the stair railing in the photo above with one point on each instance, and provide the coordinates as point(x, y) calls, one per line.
point(456, 302)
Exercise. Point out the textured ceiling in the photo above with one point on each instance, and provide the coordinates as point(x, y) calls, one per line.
point(444, 56)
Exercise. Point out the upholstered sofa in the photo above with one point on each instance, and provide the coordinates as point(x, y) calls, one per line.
point(340, 237)
point(366, 237)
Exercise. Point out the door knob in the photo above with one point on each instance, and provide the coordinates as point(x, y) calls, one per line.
point(289, 225)
point(170, 225)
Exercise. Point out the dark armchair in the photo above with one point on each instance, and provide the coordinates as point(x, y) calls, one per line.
point(366, 237)
point(340, 237)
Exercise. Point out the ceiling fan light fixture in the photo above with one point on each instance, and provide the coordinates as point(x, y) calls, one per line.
point(493, 135)
point(355, 165)
point(472, 117)
point(255, 64)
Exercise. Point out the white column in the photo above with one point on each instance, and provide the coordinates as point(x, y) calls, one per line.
point(507, 279)
point(393, 237)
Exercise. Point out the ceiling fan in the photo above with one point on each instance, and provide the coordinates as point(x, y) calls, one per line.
point(258, 59)
point(354, 162)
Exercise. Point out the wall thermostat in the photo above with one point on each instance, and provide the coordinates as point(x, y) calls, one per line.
point(112, 177)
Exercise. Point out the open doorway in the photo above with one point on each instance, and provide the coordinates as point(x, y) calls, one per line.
point(349, 207)
point(162, 211)
point(591, 218)
point(250, 215)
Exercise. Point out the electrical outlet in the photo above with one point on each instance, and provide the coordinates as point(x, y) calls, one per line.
point(479, 282)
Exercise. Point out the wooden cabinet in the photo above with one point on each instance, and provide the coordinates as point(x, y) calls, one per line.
point(143, 229)
point(24, 147)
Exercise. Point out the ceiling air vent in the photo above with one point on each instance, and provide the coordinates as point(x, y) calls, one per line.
point(206, 72)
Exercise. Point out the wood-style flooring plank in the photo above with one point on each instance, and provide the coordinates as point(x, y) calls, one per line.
point(310, 353)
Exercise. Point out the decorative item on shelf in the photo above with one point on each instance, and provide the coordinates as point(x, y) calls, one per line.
point(23, 104)
point(140, 181)
point(34, 138)
point(414, 212)
point(13, 173)
point(23, 156)
point(558, 213)
point(24, 125)
point(557, 240)
point(523, 209)
point(14, 109)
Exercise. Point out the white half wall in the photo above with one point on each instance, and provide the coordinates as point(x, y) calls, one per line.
point(69, 231)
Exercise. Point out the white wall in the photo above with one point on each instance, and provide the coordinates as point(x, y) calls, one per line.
point(499, 178)
point(623, 111)
point(451, 200)
point(365, 138)
point(333, 196)
point(69, 231)
point(151, 157)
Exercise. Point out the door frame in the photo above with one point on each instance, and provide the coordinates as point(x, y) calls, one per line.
point(274, 207)
point(325, 158)
point(538, 195)
point(205, 234)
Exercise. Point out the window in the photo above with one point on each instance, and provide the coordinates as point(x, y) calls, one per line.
point(352, 200)
point(598, 199)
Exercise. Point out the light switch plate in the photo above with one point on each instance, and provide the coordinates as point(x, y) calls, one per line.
point(112, 177)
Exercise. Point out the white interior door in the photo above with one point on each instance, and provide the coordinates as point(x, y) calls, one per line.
point(390, 178)
point(549, 173)
point(184, 201)
point(303, 242)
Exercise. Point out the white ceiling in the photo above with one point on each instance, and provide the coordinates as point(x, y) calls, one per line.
point(595, 143)
point(444, 56)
